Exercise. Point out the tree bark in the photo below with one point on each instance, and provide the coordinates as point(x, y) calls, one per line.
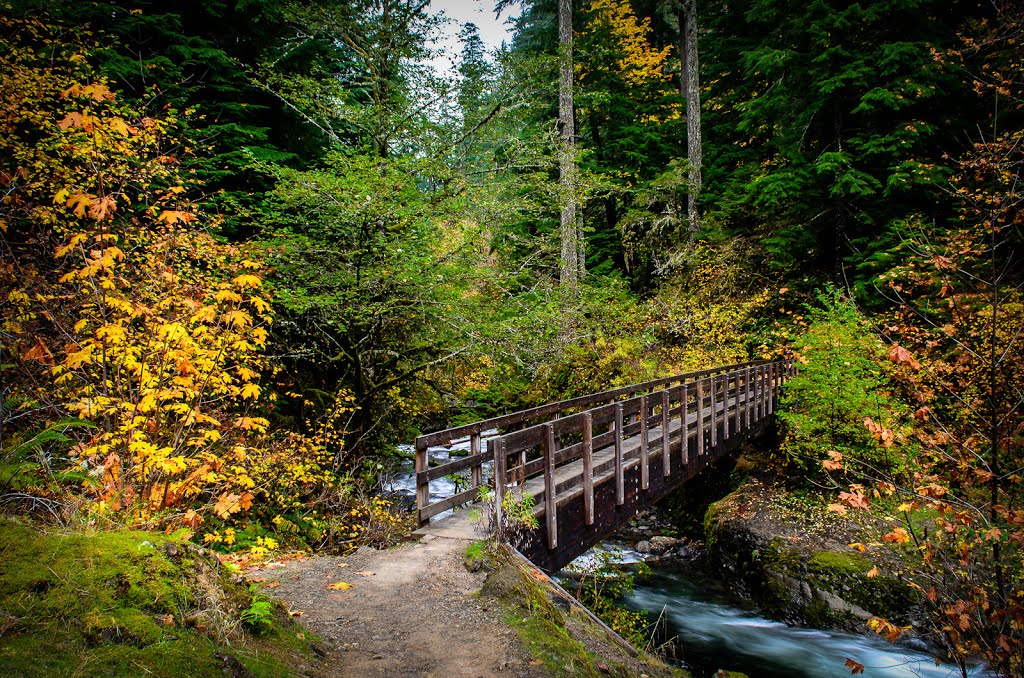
point(689, 85)
point(570, 232)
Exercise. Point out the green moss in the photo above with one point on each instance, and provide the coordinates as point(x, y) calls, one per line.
point(543, 626)
point(127, 603)
point(711, 518)
point(837, 563)
point(779, 557)
point(550, 643)
point(817, 613)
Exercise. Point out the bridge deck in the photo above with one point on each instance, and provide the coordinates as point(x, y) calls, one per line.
point(600, 480)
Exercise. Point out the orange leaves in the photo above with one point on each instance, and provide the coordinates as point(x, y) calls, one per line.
point(38, 352)
point(901, 356)
point(880, 433)
point(855, 498)
point(228, 504)
point(887, 629)
point(170, 217)
point(79, 203)
point(97, 92)
point(84, 204)
point(897, 536)
point(854, 666)
point(834, 462)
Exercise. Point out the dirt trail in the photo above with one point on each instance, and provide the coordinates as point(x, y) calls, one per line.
point(411, 611)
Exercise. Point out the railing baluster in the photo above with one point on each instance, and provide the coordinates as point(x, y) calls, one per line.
point(620, 485)
point(684, 427)
point(736, 403)
point(747, 404)
point(477, 473)
point(499, 482)
point(700, 418)
point(758, 394)
point(588, 469)
point(714, 415)
point(550, 509)
point(422, 484)
point(666, 462)
point(645, 469)
point(725, 407)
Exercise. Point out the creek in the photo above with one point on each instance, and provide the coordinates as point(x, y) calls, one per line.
point(711, 630)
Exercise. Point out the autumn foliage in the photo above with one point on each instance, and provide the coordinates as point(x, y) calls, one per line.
point(133, 340)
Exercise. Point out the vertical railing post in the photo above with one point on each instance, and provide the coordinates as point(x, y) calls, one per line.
point(477, 472)
point(684, 427)
point(700, 418)
point(771, 388)
point(758, 393)
point(620, 485)
point(725, 406)
point(746, 400)
point(714, 414)
point(645, 469)
point(666, 461)
point(550, 510)
point(422, 484)
point(736, 403)
point(499, 482)
point(588, 468)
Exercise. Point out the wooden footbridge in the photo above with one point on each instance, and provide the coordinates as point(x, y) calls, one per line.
point(593, 462)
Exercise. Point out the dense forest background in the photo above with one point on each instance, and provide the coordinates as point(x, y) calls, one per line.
point(249, 247)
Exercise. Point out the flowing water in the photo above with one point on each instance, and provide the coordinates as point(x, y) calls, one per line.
point(401, 483)
point(711, 630)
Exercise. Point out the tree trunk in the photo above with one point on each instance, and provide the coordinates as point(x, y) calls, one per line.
point(570, 232)
point(689, 86)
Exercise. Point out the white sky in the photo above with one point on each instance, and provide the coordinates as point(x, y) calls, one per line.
point(480, 12)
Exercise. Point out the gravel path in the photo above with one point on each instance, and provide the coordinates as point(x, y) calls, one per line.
point(411, 611)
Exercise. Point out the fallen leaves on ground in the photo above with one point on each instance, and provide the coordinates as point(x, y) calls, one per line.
point(340, 586)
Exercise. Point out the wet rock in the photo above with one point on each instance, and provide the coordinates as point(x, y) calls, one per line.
point(643, 547)
point(662, 544)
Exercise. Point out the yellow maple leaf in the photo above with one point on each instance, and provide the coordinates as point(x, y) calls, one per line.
point(247, 280)
point(251, 391)
point(340, 586)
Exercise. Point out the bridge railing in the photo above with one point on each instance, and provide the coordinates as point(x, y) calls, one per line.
point(602, 410)
point(708, 408)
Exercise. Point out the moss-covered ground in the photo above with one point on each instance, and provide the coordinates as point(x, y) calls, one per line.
point(133, 603)
point(559, 636)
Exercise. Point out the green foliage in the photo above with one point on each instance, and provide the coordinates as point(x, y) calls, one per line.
point(602, 585)
point(841, 387)
point(824, 123)
point(259, 617)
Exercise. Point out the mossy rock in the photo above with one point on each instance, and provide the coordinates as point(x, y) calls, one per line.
point(129, 603)
point(833, 563)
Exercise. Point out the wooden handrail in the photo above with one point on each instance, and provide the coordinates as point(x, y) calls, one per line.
point(450, 435)
point(531, 428)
